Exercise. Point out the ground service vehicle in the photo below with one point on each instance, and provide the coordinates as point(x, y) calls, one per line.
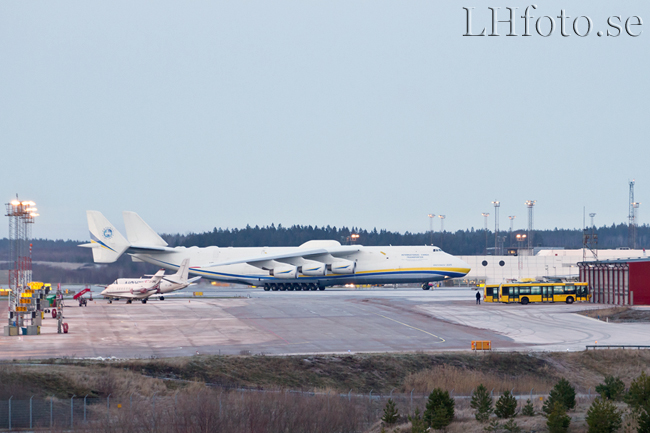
point(538, 291)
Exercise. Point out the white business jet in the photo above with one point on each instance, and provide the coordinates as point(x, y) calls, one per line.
point(313, 265)
point(144, 288)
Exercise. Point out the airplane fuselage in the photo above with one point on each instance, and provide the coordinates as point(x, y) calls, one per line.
point(371, 265)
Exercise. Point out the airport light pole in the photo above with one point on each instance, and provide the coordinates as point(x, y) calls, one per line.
point(512, 220)
point(497, 205)
point(442, 227)
point(486, 215)
point(431, 217)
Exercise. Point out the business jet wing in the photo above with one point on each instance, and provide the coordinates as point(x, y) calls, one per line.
point(323, 255)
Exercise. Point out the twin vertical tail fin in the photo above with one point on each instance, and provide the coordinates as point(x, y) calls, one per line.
point(107, 243)
point(139, 233)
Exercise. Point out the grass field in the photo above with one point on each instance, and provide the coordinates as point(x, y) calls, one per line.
point(212, 381)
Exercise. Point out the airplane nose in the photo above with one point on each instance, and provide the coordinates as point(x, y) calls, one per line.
point(462, 266)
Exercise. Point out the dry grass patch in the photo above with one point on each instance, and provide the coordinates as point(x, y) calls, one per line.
point(464, 380)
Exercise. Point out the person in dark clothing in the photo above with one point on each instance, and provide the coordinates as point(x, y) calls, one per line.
point(478, 297)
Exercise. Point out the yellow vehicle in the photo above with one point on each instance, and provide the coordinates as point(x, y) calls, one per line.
point(528, 292)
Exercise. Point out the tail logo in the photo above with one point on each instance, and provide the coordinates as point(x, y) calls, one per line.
point(108, 232)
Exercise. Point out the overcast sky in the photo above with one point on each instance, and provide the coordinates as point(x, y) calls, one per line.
point(357, 113)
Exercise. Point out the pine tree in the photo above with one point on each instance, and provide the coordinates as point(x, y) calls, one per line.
point(418, 425)
point(511, 426)
point(563, 393)
point(506, 406)
point(603, 417)
point(528, 410)
point(481, 403)
point(440, 409)
point(558, 421)
point(612, 389)
point(391, 414)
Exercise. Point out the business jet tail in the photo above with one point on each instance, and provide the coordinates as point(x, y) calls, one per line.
point(106, 241)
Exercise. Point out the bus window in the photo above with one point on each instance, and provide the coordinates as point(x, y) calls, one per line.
point(535, 290)
point(505, 291)
point(570, 289)
point(524, 290)
point(558, 290)
point(488, 291)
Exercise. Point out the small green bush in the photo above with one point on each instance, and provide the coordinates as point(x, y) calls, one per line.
point(506, 406)
point(511, 426)
point(603, 417)
point(528, 410)
point(391, 414)
point(563, 393)
point(440, 409)
point(481, 403)
point(638, 396)
point(418, 425)
point(492, 427)
point(612, 389)
point(558, 421)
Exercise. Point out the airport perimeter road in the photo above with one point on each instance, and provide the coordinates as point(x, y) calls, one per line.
point(333, 321)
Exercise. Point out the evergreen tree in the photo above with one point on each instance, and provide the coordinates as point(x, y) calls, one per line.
point(528, 410)
point(440, 409)
point(558, 421)
point(506, 406)
point(391, 415)
point(481, 403)
point(562, 392)
point(612, 389)
point(511, 426)
point(418, 425)
point(603, 417)
point(638, 396)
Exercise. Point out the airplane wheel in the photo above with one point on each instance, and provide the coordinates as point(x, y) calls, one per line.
point(313, 287)
point(282, 287)
point(321, 288)
point(274, 288)
point(425, 286)
point(110, 301)
point(162, 298)
point(266, 287)
point(144, 301)
point(128, 301)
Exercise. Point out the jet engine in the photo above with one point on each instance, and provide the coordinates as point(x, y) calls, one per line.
point(343, 267)
point(285, 272)
point(313, 269)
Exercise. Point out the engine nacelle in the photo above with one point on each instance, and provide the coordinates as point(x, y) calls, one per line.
point(313, 269)
point(343, 267)
point(286, 272)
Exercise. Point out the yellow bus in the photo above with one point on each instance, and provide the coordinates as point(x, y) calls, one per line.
point(528, 292)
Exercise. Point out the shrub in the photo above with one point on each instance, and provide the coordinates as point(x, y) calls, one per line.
point(563, 393)
point(417, 423)
point(558, 421)
point(528, 410)
point(440, 409)
point(492, 427)
point(603, 417)
point(612, 389)
point(481, 403)
point(391, 415)
point(638, 397)
point(511, 426)
point(506, 406)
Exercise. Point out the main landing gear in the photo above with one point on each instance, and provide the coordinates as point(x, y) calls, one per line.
point(427, 286)
point(293, 287)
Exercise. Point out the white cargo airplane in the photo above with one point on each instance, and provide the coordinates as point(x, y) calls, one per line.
point(313, 265)
point(143, 288)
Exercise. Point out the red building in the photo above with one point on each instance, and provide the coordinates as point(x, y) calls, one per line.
point(618, 282)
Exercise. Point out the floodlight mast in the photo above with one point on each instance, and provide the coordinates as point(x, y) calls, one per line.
point(21, 217)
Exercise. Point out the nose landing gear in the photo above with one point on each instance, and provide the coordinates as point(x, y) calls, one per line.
point(427, 286)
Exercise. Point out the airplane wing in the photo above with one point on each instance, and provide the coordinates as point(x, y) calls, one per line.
point(318, 255)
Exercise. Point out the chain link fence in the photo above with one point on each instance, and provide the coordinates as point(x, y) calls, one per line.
point(209, 409)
